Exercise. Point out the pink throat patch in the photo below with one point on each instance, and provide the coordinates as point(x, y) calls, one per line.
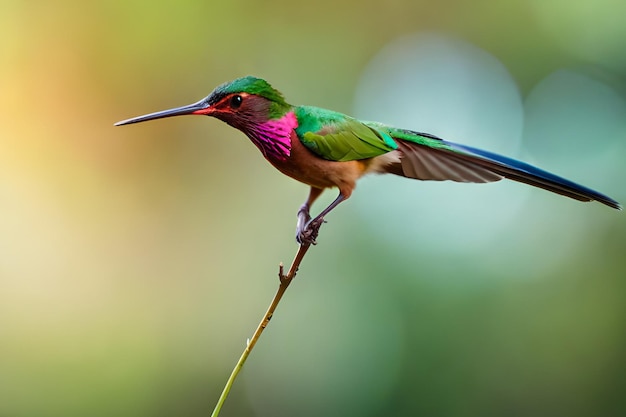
point(273, 137)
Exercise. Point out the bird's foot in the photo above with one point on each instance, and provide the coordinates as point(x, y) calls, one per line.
point(303, 219)
point(307, 235)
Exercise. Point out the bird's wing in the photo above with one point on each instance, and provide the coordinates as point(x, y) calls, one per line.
point(337, 137)
point(427, 157)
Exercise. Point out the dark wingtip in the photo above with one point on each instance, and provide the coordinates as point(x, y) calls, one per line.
point(608, 201)
point(526, 173)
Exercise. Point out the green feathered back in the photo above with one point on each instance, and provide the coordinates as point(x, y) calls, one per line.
point(337, 137)
point(411, 136)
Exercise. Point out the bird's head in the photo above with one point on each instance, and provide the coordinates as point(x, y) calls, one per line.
point(240, 103)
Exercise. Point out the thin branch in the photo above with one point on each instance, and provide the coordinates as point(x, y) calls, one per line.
point(285, 280)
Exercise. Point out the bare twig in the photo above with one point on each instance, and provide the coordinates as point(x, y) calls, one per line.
point(285, 280)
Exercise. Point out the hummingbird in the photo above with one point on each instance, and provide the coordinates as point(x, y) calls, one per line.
point(326, 149)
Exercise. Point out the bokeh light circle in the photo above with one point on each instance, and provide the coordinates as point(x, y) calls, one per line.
point(451, 88)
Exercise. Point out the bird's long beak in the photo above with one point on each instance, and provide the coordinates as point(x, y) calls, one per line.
point(201, 107)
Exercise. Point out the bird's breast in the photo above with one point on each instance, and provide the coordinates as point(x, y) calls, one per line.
point(306, 167)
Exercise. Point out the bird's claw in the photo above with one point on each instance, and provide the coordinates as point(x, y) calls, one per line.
point(303, 219)
point(307, 235)
point(301, 227)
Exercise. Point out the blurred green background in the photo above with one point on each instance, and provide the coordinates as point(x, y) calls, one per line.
point(135, 261)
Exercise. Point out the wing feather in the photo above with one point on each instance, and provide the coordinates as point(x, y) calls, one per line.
point(421, 162)
point(337, 137)
point(428, 157)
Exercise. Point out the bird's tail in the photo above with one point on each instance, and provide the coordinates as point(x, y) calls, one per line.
point(455, 162)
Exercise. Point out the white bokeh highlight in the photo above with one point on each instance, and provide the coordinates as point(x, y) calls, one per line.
point(574, 126)
point(450, 88)
point(575, 123)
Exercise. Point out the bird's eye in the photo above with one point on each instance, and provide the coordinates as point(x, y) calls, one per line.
point(235, 101)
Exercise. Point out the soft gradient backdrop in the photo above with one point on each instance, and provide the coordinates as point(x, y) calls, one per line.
point(135, 261)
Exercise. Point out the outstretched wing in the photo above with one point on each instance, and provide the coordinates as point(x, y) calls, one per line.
point(425, 156)
point(337, 137)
